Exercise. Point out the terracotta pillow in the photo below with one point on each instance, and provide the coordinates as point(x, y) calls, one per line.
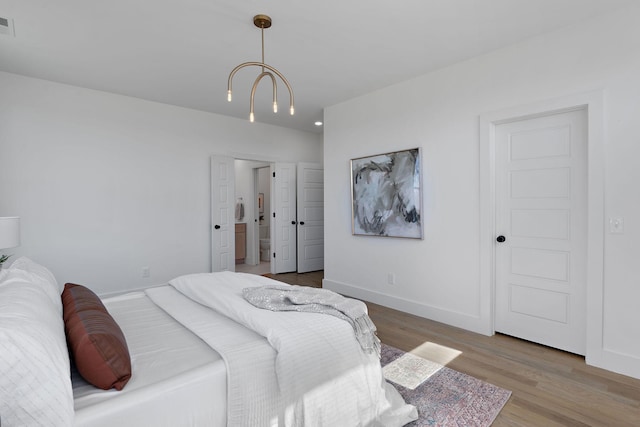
point(96, 343)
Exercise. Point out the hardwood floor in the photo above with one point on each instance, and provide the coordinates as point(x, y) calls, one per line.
point(549, 387)
point(313, 279)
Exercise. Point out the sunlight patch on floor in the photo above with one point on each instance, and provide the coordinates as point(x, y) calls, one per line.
point(410, 370)
point(436, 353)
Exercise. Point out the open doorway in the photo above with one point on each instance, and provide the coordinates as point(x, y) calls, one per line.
point(295, 215)
point(253, 188)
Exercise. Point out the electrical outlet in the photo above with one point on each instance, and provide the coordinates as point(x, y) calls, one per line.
point(391, 279)
point(146, 272)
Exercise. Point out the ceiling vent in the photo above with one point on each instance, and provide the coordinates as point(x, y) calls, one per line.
point(6, 27)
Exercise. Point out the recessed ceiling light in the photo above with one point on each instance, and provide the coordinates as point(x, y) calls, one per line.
point(318, 123)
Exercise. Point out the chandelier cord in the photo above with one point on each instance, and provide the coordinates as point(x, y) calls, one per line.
point(262, 32)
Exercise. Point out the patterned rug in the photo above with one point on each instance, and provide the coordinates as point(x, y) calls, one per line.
point(447, 398)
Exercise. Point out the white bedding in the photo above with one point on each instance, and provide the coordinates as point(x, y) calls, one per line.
point(322, 375)
point(34, 363)
point(177, 379)
point(203, 356)
point(253, 398)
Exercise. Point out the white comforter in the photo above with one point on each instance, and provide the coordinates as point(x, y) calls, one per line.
point(317, 373)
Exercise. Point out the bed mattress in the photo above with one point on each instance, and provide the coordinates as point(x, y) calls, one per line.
point(177, 379)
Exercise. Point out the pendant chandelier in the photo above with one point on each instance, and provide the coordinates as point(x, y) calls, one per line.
point(263, 22)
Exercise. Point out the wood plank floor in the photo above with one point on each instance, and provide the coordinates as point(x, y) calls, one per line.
point(549, 387)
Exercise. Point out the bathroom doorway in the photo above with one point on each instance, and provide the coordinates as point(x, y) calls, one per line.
point(290, 215)
point(253, 188)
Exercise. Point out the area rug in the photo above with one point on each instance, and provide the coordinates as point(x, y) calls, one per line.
point(446, 398)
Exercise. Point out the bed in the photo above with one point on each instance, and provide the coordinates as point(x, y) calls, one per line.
point(199, 355)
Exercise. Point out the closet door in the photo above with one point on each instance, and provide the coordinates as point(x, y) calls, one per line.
point(283, 218)
point(541, 216)
point(310, 217)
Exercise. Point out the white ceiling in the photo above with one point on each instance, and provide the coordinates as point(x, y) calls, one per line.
point(180, 52)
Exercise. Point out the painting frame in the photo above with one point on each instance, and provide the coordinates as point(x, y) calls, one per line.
point(386, 194)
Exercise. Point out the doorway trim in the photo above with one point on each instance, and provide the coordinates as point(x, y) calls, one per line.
point(593, 103)
point(256, 243)
point(233, 155)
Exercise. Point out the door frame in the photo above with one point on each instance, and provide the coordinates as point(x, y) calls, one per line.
point(593, 103)
point(234, 156)
point(256, 243)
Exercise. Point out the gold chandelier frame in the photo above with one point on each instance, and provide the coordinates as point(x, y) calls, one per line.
point(263, 22)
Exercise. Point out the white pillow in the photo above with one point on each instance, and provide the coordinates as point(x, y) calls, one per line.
point(35, 384)
point(40, 275)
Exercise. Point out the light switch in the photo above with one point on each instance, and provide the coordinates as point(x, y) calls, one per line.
point(616, 225)
point(391, 279)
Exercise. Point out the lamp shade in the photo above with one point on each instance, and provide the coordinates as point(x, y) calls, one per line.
point(9, 232)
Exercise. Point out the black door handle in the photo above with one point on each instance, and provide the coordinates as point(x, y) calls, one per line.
point(501, 239)
point(301, 222)
point(217, 227)
point(293, 223)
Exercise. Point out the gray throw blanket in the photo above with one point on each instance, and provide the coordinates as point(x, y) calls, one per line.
point(315, 300)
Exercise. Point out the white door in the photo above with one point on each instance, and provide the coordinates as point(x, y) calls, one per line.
point(223, 248)
point(310, 217)
point(283, 219)
point(541, 205)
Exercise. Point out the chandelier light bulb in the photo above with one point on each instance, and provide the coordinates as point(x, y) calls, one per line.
point(229, 95)
point(275, 107)
point(291, 110)
point(251, 117)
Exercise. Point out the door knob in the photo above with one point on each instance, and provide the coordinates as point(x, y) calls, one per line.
point(301, 222)
point(217, 227)
point(501, 239)
point(293, 223)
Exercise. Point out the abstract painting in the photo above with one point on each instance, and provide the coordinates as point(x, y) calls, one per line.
point(386, 195)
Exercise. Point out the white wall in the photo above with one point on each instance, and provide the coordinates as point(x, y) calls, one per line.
point(439, 277)
point(106, 184)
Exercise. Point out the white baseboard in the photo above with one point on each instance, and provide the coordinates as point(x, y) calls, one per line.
point(614, 361)
point(122, 292)
point(449, 317)
point(602, 358)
